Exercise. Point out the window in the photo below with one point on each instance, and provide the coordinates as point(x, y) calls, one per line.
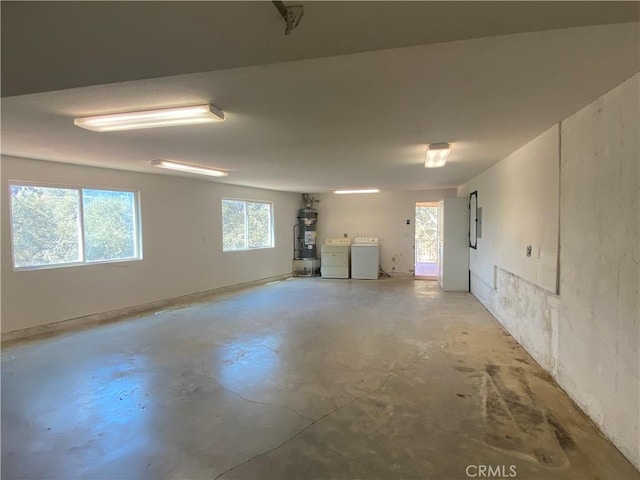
point(53, 226)
point(246, 225)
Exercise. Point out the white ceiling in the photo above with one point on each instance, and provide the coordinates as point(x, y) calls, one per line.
point(352, 120)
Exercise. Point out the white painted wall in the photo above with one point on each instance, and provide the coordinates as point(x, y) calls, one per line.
point(182, 246)
point(381, 215)
point(453, 244)
point(519, 200)
point(587, 336)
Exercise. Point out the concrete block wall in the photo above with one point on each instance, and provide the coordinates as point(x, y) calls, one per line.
point(599, 358)
point(527, 311)
point(587, 334)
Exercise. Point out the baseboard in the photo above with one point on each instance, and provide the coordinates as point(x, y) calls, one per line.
point(120, 314)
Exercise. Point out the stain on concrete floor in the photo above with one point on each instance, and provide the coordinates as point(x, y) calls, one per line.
point(306, 378)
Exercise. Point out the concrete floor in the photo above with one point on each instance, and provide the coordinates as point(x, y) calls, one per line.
point(305, 378)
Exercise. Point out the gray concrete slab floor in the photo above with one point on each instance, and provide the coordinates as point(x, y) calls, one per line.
point(304, 378)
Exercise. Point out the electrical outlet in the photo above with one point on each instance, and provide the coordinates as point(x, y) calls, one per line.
point(528, 250)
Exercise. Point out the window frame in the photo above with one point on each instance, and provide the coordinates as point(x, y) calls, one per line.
point(246, 224)
point(137, 229)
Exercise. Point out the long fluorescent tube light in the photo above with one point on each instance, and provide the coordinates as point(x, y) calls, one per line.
point(162, 117)
point(437, 154)
point(366, 190)
point(187, 167)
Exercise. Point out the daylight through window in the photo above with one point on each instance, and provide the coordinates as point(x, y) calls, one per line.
point(61, 226)
point(246, 225)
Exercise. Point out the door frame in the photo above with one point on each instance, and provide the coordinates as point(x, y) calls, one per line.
point(433, 267)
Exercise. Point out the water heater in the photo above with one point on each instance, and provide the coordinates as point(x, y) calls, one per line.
point(306, 235)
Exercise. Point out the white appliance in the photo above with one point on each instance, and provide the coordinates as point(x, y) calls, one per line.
point(453, 244)
point(334, 258)
point(365, 258)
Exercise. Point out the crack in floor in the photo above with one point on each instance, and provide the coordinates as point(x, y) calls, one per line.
point(256, 402)
point(394, 372)
point(299, 433)
point(238, 394)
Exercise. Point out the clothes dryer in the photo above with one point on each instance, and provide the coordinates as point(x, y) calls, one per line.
point(334, 258)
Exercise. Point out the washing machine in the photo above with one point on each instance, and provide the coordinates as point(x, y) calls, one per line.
point(334, 258)
point(365, 258)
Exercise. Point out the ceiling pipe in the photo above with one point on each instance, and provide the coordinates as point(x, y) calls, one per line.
point(291, 15)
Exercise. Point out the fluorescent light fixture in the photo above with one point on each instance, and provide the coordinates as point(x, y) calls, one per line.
point(163, 117)
point(187, 167)
point(437, 154)
point(365, 190)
